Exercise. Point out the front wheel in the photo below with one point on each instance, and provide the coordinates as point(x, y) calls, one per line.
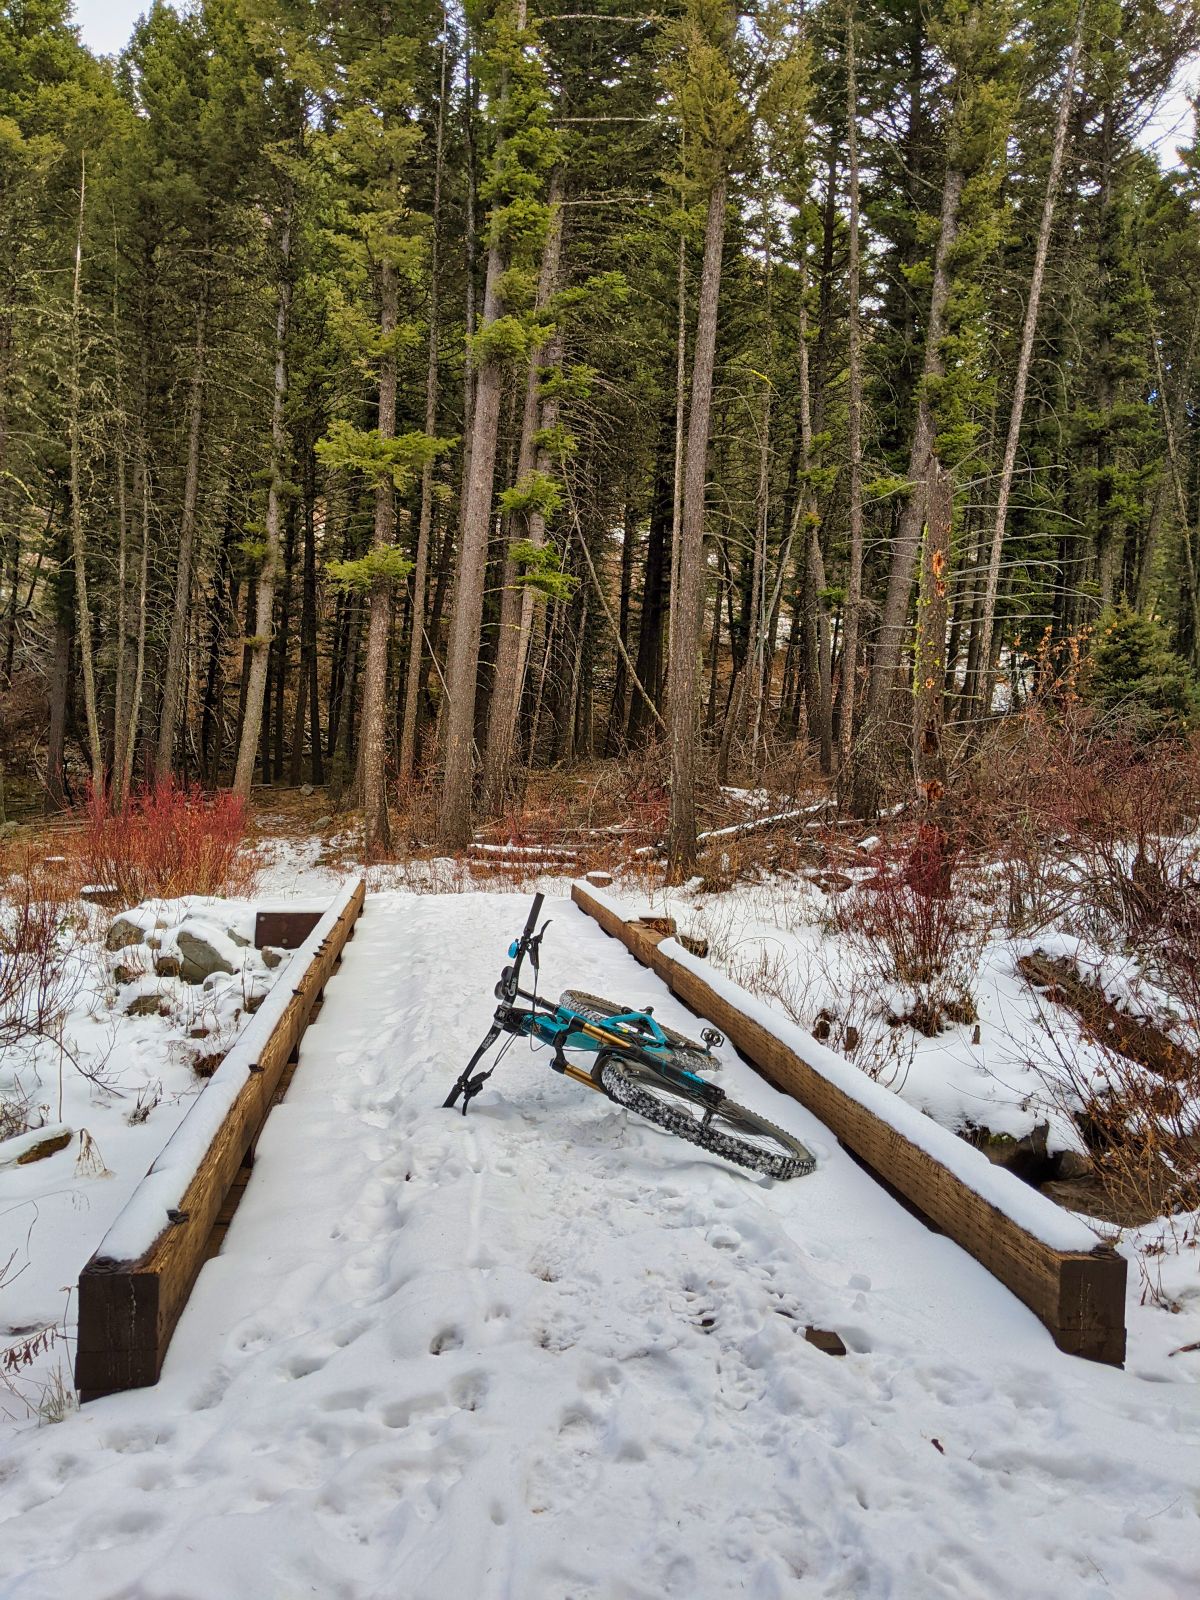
point(727, 1130)
point(680, 1051)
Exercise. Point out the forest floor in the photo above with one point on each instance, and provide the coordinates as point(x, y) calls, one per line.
point(549, 1350)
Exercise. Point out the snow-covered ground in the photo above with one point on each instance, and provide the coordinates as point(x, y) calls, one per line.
point(999, 1071)
point(549, 1351)
point(134, 1050)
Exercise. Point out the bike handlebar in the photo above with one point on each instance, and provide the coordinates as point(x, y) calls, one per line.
point(513, 973)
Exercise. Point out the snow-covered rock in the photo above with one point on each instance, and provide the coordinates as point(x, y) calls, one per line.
point(205, 949)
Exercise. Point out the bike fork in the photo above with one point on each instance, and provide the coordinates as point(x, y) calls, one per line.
point(467, 1085)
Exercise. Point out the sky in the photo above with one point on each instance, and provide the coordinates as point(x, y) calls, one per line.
point(106, 26)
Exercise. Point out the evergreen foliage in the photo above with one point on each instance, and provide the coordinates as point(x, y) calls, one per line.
point(1135, 680)
point(314, 215)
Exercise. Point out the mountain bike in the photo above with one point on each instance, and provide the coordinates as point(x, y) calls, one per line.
point(641, 1065)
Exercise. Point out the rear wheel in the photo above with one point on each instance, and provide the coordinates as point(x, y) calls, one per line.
point(684, 1053)
point(728, 1130)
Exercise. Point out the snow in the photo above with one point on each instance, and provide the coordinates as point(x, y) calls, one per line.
point(161, 1191)
point(775, 939)
point(1022, 1204)
point(549, 1351)
point(123, 1083)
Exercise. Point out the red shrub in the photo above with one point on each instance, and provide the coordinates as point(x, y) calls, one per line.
point(37, 976)
point(912, 924)
point(168, 841)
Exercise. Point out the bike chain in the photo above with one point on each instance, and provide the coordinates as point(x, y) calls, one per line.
point(619, 1087)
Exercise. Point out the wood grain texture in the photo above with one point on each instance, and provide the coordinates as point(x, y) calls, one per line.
point(128, 1310)
point(1079, 1297)
point(284, 930)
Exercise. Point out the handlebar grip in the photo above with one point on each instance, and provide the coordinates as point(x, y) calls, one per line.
point(534, 913)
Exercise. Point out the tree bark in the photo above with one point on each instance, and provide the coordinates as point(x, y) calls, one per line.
point(905, 549)
point(416, 637)
point(176, 644)
point(854, 410)
point(78, 548)
point(517, 601)
point(685, 611)
point(981, 690)
point(256, 678)
point(454, 822)
point(376, 823)
point(929, 755)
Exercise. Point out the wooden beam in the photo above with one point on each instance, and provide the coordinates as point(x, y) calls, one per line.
point(284, 930)
point(1078, 1295)
point(128, 1309)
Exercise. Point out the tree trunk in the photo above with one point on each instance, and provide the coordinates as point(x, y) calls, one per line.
point(78, 548)
point(416, 637)
point(614, 736)
point(906, 545)
point(655, 589)
point(60, 682)
point(517, 601)
point(929, 756)
point(308, 699)
point(981, 690)
point(685, 611)
point(376, 823)
point(176, 644)
point(123, 761)
point(282, 641)
point(454, 822)
point(854, 409)
point(256, 678)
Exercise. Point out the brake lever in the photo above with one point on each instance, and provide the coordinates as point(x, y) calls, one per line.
point(535, 945)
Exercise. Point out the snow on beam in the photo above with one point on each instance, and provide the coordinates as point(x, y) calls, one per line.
point(133, 1290)
point(1046, 1257)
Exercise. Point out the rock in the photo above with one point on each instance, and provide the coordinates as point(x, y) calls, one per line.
point(1074, 1164)
point(200, 948)
point(1025, 1157)
point(25, 1148)
point(124, 932)
point(123, 974)
point(237, 938)
point(271, 958)
point(167, 967)
point(147, 1005)
point(306, 789)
